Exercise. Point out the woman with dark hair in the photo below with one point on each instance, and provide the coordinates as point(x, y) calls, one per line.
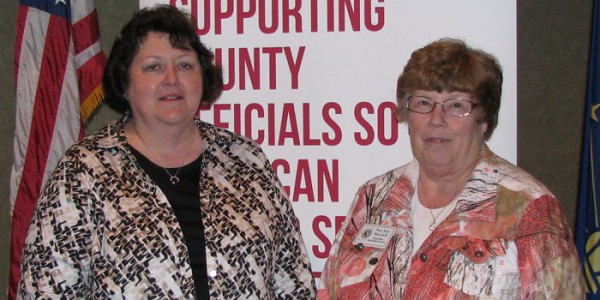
point(160, 204)
point(457, 222)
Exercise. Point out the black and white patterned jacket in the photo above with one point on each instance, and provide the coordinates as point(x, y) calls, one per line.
point(103, 229)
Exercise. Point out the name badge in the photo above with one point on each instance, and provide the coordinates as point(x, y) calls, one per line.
point(376, 236)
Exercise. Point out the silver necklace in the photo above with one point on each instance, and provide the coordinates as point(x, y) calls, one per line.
point(173, 178)
point(434, 224)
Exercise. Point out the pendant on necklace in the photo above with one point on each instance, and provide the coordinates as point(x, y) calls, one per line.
point(174, 179)
point(432, 226)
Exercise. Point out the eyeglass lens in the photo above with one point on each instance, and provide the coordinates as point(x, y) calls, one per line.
point(454, 107)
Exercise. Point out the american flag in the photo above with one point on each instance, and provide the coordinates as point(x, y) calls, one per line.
point(58, 71)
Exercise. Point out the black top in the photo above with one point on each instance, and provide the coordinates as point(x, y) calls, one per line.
point(184, 199)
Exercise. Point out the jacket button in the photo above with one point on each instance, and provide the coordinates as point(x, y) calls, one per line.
point(423, 257)
point(479, 253)
point(373, 260)
point(359, 246)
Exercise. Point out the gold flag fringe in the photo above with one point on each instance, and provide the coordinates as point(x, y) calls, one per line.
point(90, 104)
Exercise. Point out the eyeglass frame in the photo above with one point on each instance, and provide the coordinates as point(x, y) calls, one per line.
point(473, 105)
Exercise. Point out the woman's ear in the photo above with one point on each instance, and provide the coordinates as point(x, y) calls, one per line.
point(483, 126)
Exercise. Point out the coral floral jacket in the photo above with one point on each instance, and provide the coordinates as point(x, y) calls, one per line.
point(506, 239)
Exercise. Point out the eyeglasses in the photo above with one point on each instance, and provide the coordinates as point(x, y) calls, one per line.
point(453, 107)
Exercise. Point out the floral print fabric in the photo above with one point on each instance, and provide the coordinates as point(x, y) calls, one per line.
point(506, 239)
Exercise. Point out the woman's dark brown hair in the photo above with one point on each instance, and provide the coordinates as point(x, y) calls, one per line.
point(182, 35)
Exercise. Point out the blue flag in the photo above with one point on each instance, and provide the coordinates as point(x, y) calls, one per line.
point(588, 215)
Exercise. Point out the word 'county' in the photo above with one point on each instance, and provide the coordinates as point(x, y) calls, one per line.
point(247, 64)
point(291, 123)
point(284, 16)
